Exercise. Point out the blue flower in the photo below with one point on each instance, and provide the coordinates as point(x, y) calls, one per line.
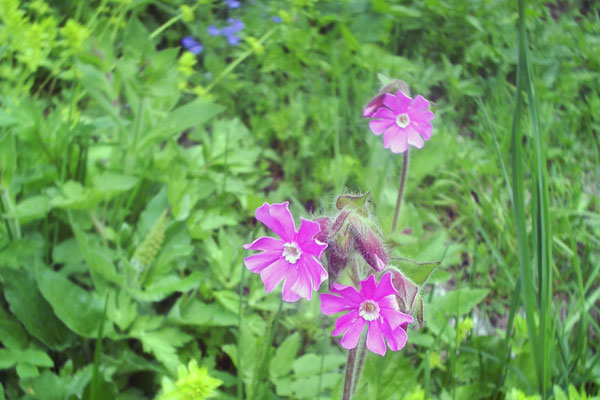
point(276, 19)
point(233, 40)
point(232, 3)
point(213, 31)
point(191, 45)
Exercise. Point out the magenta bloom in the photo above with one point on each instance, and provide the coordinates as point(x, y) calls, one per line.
point(293, 258)
point(375, 306)
point(402, 120)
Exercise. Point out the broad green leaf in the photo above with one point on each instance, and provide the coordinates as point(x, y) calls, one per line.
point(12, 335)
point(187, 116)
point(76, 307)
point(559, 394)
point(310, 364)
point(281, 363)
point(30, 209)
point(416, 271)
point(462, 301)
point(36, 357)
point(34, 312)
point(197, 313)
point(9, 358)
point(114, 182)
point(73, 196)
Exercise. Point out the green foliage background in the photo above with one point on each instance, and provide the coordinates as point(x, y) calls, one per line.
point(130, 171)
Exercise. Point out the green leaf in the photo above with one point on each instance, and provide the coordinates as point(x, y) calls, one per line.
point(281, 363)
point(33, 208)
point(114, 182)
point(559, 394)
point(12, 335)
point(163, 343)
point(76, 307)
point(416, 271)
point(34, 312)
point(9, 358)
point(461, 301)
point(36, 357)
point(185, 117)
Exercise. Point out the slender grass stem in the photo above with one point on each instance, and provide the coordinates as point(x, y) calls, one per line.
point(347, 395)
point(403, 175)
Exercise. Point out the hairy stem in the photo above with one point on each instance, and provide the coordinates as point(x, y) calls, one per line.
point(403, 176)
point(361, 363)
point(349, 374)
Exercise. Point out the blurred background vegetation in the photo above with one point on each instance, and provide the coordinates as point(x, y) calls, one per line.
point(131, 166)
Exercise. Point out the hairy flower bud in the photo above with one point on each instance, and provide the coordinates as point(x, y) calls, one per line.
point(325, 225)
point(407, 291)
point(368, 243)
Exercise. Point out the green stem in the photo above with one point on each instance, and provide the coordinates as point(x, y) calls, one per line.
point(349, 374)
point(361, 363)
point(240, 385)
point(403, 176)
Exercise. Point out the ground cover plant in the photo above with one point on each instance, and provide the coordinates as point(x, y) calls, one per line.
point(139, 139)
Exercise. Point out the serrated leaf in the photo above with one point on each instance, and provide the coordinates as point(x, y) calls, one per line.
point(35, 313)
point(163, 343)
point(416, 271)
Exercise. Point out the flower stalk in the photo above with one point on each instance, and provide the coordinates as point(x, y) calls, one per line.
point(403, 176)
point(349, 378)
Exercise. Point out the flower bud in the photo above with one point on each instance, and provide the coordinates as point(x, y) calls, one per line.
point(325, 225)
point(407, 291)
point(368, 244)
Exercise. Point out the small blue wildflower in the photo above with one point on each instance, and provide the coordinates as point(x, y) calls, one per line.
point(235, 24)
point(233, 40)
point(277, 19)
point(232, 3)
point(191, 45)
point(213, 30)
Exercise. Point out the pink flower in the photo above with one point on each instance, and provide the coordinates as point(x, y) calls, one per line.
point(293, 258)
point(402, 120)
point(375, 306)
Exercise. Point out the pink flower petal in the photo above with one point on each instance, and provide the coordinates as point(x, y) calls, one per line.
point(396, 339)
point(257, 262)
point(278, 218)
point(413, 137)
point(348, 292)
point(344, 322)
point(289, 280)
point(265, 243)
point(420, 116)
point(315, 270)
point(375, 341)
point(367, 287)
point(306, 238)
point(397, 143)
point(399, 103)
point(420, 104)
point(374, 104)
point(350, 339)
point(331, 304)
point(385, 113)
point(395, 318)
point(272, 275)
point(303, 287)
point(424, 128)
point(378, 126)
point(385, 287)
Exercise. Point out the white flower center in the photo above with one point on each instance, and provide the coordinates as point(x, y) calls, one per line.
point(291, 252)
point(402, 120)
point(369, 310)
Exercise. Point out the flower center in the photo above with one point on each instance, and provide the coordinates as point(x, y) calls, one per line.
point(402, 120)
point(291, 252)
point(369, 310)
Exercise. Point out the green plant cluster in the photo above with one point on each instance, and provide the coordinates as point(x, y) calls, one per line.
point(130, 170)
